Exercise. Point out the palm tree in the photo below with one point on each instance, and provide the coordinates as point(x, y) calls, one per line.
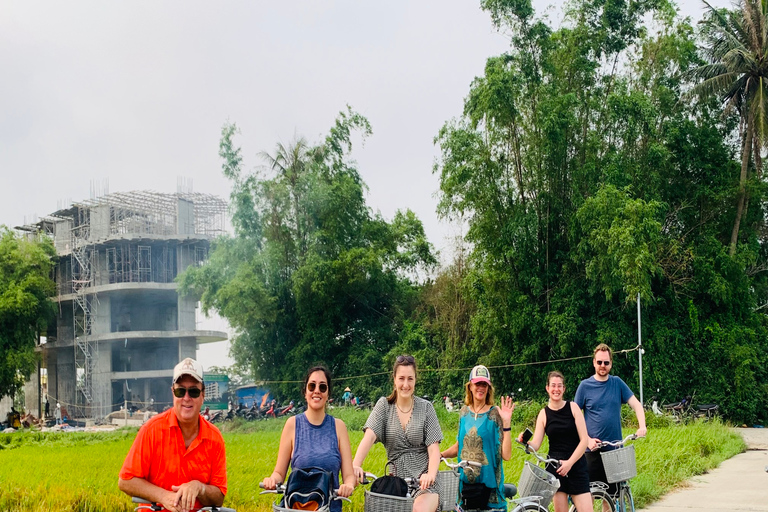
point(737, 72)
point(291, 164)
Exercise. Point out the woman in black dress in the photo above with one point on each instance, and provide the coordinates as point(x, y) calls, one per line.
point(563, 422)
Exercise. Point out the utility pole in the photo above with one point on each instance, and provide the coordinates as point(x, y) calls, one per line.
point(640, 347)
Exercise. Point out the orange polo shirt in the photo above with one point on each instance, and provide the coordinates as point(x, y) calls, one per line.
point(159, 456)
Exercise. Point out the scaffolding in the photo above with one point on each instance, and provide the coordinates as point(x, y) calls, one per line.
point(82, 258)
point(139, 231)
point(153, 213)
point(144, 213)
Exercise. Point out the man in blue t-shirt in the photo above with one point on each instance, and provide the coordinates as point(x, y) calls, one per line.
point(601, 396)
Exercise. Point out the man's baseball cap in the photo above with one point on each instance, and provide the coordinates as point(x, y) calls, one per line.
point(188, 367)
point(480, 374)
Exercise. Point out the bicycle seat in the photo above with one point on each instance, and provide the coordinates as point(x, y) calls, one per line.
point(510, 491)
point(706, 407)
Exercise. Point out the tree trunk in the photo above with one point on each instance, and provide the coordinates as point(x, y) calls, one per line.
point(745, 151)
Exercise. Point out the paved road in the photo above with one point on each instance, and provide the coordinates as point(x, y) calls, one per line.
point(740, 483)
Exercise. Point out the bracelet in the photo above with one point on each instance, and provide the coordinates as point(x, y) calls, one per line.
point(507, 429)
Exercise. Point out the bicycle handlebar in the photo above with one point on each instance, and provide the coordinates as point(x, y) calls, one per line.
point(150, 505)
point(617, 444)
point(461, 463)
point(280, 489)
point(530, 451)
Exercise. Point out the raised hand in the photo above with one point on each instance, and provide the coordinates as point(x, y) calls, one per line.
point(505, 410)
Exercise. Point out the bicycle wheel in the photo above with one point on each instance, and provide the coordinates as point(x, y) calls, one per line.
point(601, 502)
point(530, 507)
point(626, 501)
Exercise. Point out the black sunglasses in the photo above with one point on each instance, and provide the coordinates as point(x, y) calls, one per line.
point(193, 392)
point(405, 359)
point(603, 363)
point(323, 387)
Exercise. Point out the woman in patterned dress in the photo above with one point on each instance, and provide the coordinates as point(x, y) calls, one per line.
point(484, 437)
point(407, 426)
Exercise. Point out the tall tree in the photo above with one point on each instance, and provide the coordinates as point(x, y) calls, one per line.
point(311, 274)
point(25, 306)
point(736, 45)
point(586, 177)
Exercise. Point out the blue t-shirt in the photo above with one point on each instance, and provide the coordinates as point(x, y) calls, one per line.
point(601, 402)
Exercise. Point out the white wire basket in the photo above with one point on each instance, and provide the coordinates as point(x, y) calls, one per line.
point(619, 464)
point(448, 483)
point(375, 502)
point(535, 481)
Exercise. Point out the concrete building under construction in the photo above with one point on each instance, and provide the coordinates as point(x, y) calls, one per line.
point(121, 326)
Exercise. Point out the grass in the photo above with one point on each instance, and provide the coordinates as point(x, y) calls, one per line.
point(78, 471)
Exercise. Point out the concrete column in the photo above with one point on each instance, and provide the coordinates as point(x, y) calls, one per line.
point(185, 215)
point(66, 378)
point(32, 393)
point(187, 348)
point(102, 315)
point(102, 379)
point(99, 222)
point(187, 314)
point(53, 384)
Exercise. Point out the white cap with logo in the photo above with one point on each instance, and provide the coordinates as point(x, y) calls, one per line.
point(188, 367)
point(480, 374)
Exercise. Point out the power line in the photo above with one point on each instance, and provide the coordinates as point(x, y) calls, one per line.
point(447, 370)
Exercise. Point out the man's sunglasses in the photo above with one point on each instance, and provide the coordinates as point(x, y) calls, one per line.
point(603, 363)
point(323, 387)
point(193, 392)
point(405, 359)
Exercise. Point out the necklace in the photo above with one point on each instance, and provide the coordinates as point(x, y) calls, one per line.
point(402, 411)
point(472, 408)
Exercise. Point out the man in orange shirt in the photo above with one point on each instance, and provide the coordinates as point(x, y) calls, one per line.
point(177, 458)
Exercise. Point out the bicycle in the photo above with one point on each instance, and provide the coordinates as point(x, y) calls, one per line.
point(280, 489)
point(149, 505)
point(536, 487)
point(620, 467)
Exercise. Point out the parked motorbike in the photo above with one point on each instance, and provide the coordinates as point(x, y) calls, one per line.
point(283, 411)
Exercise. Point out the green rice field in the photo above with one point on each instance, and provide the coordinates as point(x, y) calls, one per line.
point(78, 471)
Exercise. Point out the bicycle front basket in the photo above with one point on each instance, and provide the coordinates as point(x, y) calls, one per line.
point(619, 464)
point(448, 483)
point(375, 502)
point(535, 481)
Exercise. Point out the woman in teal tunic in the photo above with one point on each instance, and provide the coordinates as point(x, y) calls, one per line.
point(484, 437)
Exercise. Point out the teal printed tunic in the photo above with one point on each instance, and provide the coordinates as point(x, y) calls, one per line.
point(480, 438)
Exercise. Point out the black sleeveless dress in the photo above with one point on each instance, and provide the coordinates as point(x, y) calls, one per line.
point(563, 440)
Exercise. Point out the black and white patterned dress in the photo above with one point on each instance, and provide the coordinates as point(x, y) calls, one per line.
point(406, 448)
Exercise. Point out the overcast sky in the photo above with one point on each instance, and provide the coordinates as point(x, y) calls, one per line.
point(135, 93)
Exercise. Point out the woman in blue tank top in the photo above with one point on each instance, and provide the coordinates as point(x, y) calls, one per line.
point(316, 439)
point(563, 423)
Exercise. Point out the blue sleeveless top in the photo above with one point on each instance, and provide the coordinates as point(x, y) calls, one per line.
point(317, 446)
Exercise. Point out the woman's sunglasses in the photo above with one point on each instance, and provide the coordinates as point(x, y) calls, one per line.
point(323, 387)
point(405, 359)
point(193, 392)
